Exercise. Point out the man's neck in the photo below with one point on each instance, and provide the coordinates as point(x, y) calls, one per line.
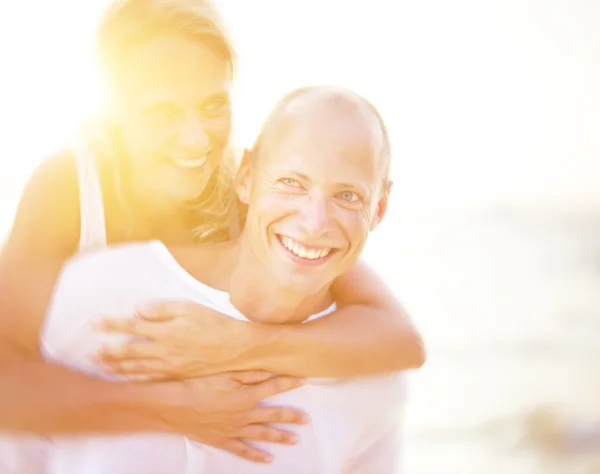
point(260, 299)
point(251, 289)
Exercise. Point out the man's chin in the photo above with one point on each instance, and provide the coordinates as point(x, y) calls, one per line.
point(294, 278)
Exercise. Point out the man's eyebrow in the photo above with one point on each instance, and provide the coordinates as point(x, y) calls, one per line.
point(300, 175)
point(290, 171)
point(358, 187)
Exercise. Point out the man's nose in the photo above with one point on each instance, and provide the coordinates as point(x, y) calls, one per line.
point(316, 216)
point(193, 134)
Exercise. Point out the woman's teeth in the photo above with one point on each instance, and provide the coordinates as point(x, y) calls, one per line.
point(196, 163)
point(303, 252)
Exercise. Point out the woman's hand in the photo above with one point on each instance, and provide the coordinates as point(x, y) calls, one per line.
point(176, 340)
point(224, 410)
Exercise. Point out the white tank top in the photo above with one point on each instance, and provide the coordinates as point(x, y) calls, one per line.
point(92, 234)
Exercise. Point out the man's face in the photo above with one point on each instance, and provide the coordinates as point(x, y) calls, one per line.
point(314, 193)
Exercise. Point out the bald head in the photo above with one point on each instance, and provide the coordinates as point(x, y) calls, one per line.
point(316, 188)
point(327, 111)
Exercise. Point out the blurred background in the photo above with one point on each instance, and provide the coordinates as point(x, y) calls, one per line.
point(492, 240)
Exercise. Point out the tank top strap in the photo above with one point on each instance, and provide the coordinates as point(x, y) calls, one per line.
point(93, 222)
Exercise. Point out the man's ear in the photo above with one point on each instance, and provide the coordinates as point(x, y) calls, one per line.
point(382, 206)
point(242, 180)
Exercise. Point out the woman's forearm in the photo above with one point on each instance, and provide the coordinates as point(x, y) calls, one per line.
point(353, 341)
point(39, 398)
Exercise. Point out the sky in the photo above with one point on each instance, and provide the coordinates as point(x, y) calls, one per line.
point(487, 101)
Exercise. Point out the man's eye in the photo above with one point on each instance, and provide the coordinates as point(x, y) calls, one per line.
point(290, 183)
point(349, 196)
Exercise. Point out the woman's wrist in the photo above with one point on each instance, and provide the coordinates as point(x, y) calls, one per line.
point(262, 344)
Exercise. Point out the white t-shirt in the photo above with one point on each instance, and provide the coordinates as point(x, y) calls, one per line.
point(354, 422)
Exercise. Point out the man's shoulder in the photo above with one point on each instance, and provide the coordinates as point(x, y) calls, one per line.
point(114, 265)
point(113, 279)
point(132, 255)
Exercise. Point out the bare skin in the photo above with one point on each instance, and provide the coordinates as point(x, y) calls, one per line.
point(356, 339)
point(177, 112)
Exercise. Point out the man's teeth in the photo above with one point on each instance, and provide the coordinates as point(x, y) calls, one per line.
point(298, 249)
point(190, 163)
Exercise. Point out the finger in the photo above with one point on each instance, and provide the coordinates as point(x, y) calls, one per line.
point(260, 432)
point(244, 450)
point(167, 310)
point(158, 377)
point(251, 376)
point(277, 415)
point(157, 312)
point(273, 386)
point(134, 326)
point(149, 377)
point(132, 350)
point(239, 448)
point(137, 367)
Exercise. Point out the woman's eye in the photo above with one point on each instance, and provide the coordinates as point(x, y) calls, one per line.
point(216, 107)
point(349, 196)
point(161, 114)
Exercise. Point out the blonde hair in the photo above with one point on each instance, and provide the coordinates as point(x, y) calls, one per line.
point(129, 23)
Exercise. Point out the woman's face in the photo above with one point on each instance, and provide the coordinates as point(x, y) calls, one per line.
point(175, 117)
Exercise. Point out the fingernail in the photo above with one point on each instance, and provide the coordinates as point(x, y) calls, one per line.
point(305, 419)
point(267, 458)
point(293, 439)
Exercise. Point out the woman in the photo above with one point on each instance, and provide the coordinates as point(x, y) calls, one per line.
point(160, 158)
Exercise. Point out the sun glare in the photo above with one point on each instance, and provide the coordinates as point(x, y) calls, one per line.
point(48, 86)
point(485, 101)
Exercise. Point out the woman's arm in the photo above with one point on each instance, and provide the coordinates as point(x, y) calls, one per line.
point(39, 397)
point(44, 398)
point(44, 234)
point(369, 334)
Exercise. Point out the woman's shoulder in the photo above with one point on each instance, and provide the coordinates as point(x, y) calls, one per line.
point(47, 217)
point(54, 184)
point(59, 167)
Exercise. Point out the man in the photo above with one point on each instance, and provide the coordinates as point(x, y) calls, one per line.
point(316, 184)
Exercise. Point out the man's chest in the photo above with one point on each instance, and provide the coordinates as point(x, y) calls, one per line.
point(337, 426)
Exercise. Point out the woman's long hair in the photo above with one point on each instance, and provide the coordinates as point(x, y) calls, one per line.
point(126, 24)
